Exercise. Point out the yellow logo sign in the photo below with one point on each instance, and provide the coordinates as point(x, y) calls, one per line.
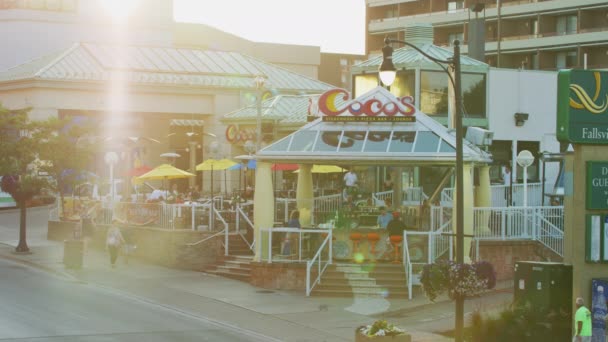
point(584, 101)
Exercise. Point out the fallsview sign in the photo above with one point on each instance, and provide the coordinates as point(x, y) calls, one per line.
point(582, 106)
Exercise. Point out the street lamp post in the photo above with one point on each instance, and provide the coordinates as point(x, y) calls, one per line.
point(259, 85)
point(387, 74)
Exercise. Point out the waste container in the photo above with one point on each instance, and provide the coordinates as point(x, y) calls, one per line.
point(543, 284)
point(73, 251)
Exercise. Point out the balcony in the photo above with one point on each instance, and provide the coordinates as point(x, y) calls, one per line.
point(512, 8)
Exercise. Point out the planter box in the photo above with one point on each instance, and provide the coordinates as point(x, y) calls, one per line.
point(405, 337)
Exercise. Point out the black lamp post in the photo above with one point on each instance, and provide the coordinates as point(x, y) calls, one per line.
point(387, 74)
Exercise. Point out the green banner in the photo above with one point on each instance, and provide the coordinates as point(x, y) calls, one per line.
point(582, 106)
point(597, 185)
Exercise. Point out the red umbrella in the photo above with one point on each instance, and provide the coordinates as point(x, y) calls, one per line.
point(138, 171)
point(284, 167)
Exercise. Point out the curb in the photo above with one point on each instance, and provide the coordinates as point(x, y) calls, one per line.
point(37, 266)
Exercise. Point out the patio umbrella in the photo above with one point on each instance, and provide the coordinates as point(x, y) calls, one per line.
point(138, 171)
point(325, 169)
point(284, 167)
point(213, 165)
point(165, 171)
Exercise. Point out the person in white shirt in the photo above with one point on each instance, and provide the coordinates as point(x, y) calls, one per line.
point(350, 183)
point(506, 178)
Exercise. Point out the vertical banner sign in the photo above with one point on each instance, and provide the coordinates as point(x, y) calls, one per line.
point(592, 237)
point(597, 185)
point(605, 240)
point(599, 290)
point(582, 106)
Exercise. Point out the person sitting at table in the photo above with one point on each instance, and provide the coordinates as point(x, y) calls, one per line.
point(396, 227)
point(384, 218)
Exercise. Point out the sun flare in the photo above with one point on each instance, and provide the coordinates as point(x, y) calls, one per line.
point(119, 9)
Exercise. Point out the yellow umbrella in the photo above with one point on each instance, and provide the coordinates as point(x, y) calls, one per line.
point(165, 171)
point(214, 165)
point(325, 169)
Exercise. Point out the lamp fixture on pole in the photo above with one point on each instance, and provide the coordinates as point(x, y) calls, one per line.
point(259, 86)
point(387, 73)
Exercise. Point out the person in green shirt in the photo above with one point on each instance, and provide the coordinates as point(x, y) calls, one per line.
point(582, 322)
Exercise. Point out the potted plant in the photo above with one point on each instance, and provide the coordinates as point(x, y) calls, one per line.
point(468, 280)
point(380, 331)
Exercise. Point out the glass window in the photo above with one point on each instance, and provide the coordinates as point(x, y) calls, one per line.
point(445, 147)
point(280, 145)
point(365, 83)
point(453, 6)
point(474, 95)
point(405, 83)
point(352, 141)
point(426, 142)
point(402, 142)
point(453, 36)
point(328, 141)
point(377, 141)
point(434, 93)
point(302, 141)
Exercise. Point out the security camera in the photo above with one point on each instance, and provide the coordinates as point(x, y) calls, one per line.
point(479, 136)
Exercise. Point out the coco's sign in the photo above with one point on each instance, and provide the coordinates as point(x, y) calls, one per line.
point(235, 135)
point(582, 106)
point(367, 110)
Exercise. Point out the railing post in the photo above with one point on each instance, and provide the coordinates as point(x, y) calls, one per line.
point(193, 221)
point(308, 279)
point(226, 242)
point(503, 223)
point(300, 246)
point(330, 243)
point(269, 245)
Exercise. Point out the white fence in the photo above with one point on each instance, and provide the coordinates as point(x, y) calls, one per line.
point(545, 224)
point(500, 193)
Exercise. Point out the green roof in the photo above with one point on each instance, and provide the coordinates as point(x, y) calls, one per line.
point(407, 57)
point(161, 66)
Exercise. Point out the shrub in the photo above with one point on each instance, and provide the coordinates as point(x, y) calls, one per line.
point(457, 279)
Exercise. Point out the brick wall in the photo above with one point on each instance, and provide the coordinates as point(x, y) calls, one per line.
point(275, 276)
point(504, 254)
point(159, 246)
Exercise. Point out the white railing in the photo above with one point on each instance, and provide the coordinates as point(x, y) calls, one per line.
point(499, 195)
point(283, 206)
point(318, 259)
point(544, 224)
point(325, 207)
point(414, 195)
point(240, 214)
point(301, 254)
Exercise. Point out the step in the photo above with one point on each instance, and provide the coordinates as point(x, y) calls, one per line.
point(235, 276)
point(338, 293)
point(238, 264)
point(234, 270)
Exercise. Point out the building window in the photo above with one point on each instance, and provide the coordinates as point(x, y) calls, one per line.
point(453, 36)
point(566, 24)
point(405, 83)
point(434, 94)
point(454, 6)
point(364, 83)
point(343, 62)
point(566, 59)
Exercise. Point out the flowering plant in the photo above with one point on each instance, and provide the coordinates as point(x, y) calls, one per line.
point(466, 280)
point(380, 328)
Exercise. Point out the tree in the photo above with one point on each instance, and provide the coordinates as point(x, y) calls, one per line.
point(19, 143)
point(66, 150)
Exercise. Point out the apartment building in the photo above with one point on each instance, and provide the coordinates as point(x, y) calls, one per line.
point(522, 34)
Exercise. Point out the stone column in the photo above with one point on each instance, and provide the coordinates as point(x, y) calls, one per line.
point(483, 198)
point(467, 210)
point(304, 194)
point(263, 208)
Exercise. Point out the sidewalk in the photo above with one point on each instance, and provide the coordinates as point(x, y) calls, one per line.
point(284, 315)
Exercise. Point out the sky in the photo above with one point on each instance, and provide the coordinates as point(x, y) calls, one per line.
point(337, 26)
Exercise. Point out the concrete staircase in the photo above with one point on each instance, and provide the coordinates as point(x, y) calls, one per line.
point(237, 265)
point(363, 280)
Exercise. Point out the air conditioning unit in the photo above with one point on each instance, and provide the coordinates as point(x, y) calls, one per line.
point(479, 136)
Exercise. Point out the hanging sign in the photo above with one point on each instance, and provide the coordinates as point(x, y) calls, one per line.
point(582, 106)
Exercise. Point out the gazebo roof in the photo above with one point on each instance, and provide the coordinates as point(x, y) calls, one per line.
point(384, 138)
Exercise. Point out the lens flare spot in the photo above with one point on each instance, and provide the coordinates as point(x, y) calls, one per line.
point(358, 258)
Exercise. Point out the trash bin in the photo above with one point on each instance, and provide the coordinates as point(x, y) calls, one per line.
point(73, 251)
point(543, 284)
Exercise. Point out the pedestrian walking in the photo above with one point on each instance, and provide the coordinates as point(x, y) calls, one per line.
point(582, 322)
point(114, 240)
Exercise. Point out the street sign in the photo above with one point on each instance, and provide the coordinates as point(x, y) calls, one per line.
point(597, 185)
point(582, 106)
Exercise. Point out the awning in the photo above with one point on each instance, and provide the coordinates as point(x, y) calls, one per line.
point(187, 123)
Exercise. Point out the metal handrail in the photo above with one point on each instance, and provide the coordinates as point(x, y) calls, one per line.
point(240, 213)
point(217, 213)
point(320, 271)
point(205, 239)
